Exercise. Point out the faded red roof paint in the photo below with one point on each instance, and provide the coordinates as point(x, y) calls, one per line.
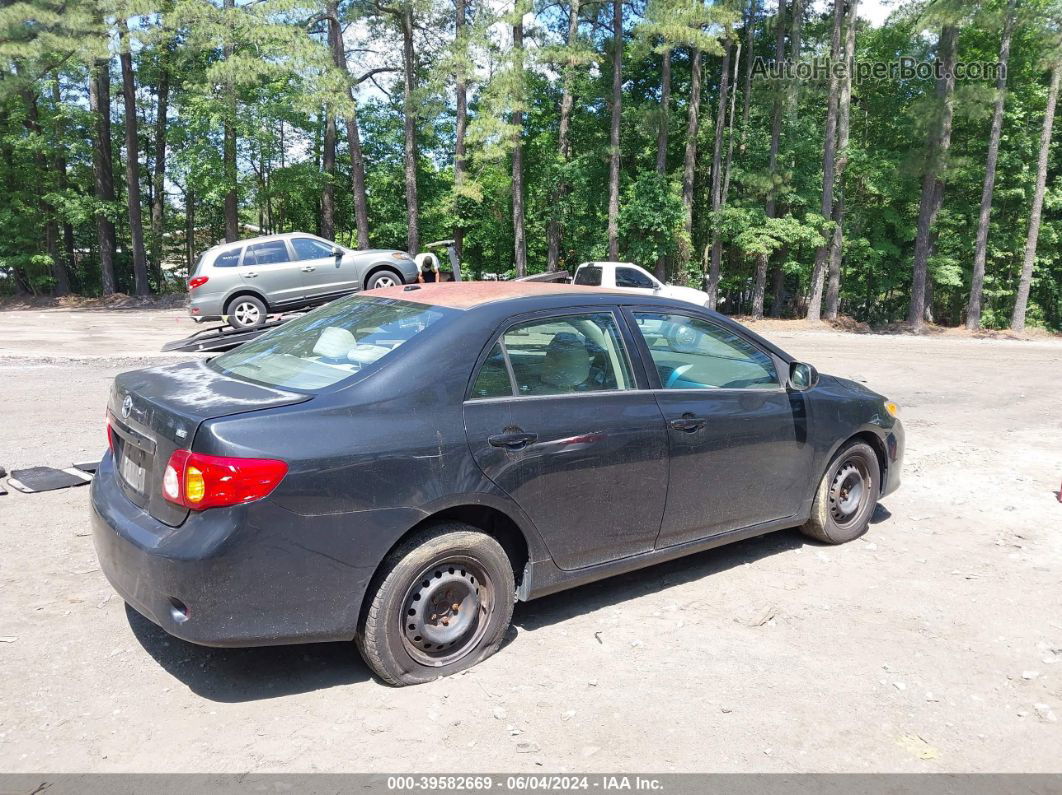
point(465, 295)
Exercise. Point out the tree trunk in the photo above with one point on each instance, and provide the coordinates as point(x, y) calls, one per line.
point(661, 136)
point(47, 211)
point(760, 278)
point(977, 278)
point(328, 168)
point(829, 165)
point(689, 162)
point(833, 287)
point(232, 209)
point(614, 131)
point(410, 129)
point(103, 167)
point(750, 45)
point(730, 130)
point(158, 179)
point(717, 182)
point(517, 121)
point(461, 92)
point(189, 227)
point(564, 146)
point(1021, 302)
point(62, 266)
point(132, 165)
point(933, 179)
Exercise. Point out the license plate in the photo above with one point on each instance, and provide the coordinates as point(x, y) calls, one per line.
point(132, 473)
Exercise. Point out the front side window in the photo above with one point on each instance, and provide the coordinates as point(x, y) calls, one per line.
point(588, 276)
point(629, 277)
point(228, 259)
point(691, 353)
point(329, 344)
point(308, 248)
point(272, 253)
point(568, 354)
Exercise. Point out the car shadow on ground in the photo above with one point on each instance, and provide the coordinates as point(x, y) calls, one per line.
point(562, 606)
point(251, 674)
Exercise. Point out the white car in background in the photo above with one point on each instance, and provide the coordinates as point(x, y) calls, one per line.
point(628, 276)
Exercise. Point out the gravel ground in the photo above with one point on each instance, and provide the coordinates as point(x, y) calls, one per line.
point(932, 644)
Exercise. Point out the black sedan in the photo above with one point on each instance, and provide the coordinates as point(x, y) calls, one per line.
point(400, 467)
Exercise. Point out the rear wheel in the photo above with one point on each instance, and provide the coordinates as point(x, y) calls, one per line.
point(246, 312)
point(847, 496)
point(441, 603)
point(383, 278)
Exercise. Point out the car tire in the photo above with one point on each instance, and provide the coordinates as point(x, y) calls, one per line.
point(385, 277)
point(246, 312)
point(409, 632)
point(846, 497)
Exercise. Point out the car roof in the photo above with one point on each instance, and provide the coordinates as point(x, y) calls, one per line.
point(466, 295)
point(599, 262)
point(264, 239)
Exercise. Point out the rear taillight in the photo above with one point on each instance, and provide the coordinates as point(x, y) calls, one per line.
point(110, 432)
point(197, 281)
point(199, 481)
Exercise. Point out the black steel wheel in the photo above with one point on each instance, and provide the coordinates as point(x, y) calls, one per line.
point(441, 603)
point(847, 495)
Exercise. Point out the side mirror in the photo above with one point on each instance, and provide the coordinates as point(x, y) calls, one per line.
point(337, 251)
point(802, 377)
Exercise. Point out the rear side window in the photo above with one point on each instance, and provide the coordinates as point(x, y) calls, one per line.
point(629, 277)
point(331, 343)
point(493, 379)
point(308, 248)
point(588, 276)
point(272, 253)
point(228, 259)
point(566, 354)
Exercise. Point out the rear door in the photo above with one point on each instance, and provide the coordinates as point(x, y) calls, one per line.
point(556, 418)
point(268, 266)
point(738, 440)
point(324, 274)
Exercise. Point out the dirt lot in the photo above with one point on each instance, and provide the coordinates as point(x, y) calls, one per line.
point(932, 644)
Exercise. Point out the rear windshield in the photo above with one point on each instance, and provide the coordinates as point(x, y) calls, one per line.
point(588, 276)
point(330, 343)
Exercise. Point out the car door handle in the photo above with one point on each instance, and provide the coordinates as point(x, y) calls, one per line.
point(512, 441)
point(250, 274)
point(309, 269)
point(688, 423)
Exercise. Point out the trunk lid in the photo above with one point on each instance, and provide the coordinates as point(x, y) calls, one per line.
point(154, 412)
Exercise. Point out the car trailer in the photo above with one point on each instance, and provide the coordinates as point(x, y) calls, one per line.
point(217, 339)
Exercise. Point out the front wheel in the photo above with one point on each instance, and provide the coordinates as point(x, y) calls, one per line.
point(441, 603)
point(383, 278)
point(847, 495)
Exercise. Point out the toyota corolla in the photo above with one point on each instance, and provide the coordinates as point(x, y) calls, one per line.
point(399, 468)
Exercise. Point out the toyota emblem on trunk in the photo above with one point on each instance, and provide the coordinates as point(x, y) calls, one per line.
point(127, 406)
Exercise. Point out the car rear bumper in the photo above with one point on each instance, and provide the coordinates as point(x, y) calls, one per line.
point(206, 307)
point(252, 575)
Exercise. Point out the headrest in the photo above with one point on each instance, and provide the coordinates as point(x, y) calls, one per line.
point(334, 343)
point(567, 361)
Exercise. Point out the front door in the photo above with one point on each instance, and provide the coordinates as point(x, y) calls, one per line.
point(324, 274)
point(554, 417)
point(267, 266)
point(739, 453)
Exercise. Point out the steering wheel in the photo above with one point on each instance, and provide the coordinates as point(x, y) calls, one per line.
point(676, 374)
